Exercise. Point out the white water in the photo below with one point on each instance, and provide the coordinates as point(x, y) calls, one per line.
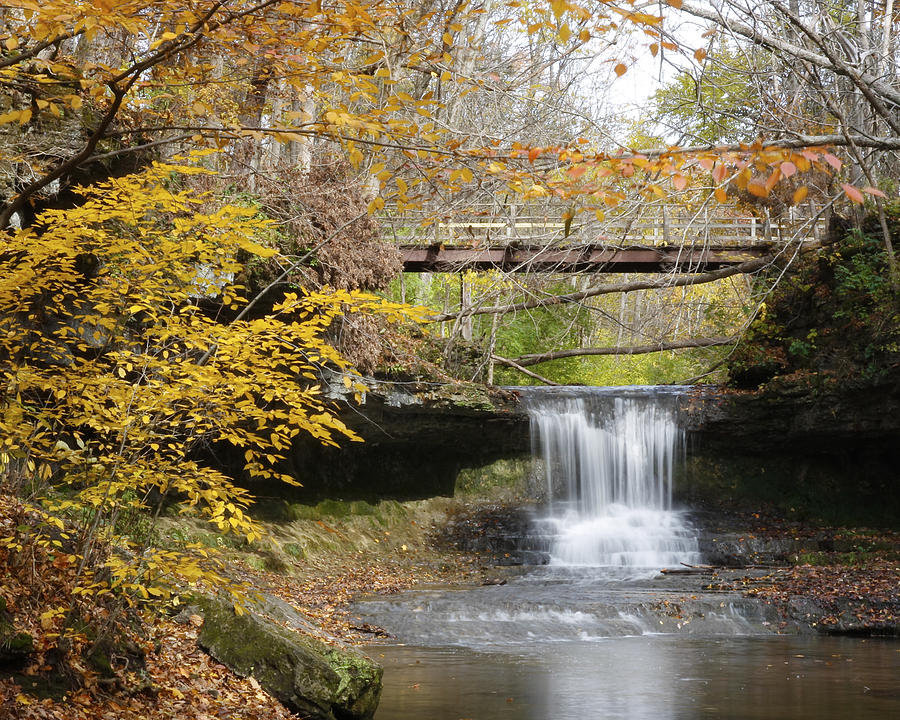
point(609, 462)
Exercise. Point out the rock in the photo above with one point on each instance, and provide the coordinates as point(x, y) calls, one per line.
point(15, 647)
point(415, 446)
point(312, 678)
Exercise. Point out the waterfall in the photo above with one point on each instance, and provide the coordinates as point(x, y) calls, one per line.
point(609, 455)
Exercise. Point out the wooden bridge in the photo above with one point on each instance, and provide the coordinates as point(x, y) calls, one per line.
point(583, 258)
point(636, 245)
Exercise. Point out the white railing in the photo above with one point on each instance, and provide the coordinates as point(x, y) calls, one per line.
point(506, 226)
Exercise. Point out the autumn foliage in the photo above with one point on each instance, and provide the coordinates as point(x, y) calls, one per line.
point(116, 376)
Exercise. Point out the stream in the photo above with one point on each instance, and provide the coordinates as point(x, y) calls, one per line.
point(598, 632)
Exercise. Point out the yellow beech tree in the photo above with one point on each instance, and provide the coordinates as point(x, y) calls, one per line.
point(114, 376)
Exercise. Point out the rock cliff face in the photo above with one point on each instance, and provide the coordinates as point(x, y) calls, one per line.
point(830, 452)
point(416, 440)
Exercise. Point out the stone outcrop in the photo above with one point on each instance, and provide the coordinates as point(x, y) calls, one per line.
point(830, 451)
point(416, 440)
point(15, 647)
point(317, 680)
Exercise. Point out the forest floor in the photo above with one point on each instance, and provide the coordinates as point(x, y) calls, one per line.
point(321, 563)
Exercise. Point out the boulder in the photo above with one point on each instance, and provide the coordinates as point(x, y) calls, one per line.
point(15, 647)
point(311, 677)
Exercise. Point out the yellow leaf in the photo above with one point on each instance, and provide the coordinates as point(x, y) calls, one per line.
point(721, 195)
point(621, 69)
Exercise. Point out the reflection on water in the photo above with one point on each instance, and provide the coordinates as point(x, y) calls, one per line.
point(660, 677)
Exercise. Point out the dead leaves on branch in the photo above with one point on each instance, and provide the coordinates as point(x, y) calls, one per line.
point(354, 62)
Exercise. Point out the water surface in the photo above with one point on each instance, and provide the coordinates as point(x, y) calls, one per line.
point(661, 677)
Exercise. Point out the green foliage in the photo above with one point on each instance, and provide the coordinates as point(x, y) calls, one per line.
point(717, 102)
point(836, 315)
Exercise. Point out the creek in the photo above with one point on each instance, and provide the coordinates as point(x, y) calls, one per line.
point(595, 630)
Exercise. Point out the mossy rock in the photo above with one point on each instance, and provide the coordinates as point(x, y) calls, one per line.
point(15, 647)
point(314, 679)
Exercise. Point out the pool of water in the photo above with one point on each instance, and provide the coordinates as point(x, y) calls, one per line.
point(654, 677)
point(567, 645)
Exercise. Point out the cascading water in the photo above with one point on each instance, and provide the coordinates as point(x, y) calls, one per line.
point(609, 460)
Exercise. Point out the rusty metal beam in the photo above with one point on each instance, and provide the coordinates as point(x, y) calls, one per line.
point(583, 258)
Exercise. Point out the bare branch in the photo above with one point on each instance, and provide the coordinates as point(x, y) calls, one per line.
point(537, 358)
point(623, 287)
point(529, 373)
point(792, 50)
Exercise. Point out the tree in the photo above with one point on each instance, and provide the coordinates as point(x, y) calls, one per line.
point(115, 376)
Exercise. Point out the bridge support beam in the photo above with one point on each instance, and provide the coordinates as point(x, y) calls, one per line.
point(580, 259)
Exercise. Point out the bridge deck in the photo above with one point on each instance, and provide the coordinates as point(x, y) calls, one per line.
point(583, 258)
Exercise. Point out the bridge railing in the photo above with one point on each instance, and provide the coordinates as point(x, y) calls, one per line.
point(484, 228)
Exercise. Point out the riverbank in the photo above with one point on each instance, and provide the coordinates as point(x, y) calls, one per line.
point(824, 580)
point(317, 562)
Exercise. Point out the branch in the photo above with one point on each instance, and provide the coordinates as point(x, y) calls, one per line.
point(22, 198)
point(842, 67)
point(514, 364)
point(537, 358)
point(654, 284)
point(33, 51)
point(795, 51)
point(890, 142)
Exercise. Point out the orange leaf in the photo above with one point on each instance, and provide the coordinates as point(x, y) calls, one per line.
point(719, 172)
point(801, 162)
point(851, 192)
point(800, 194)
point(621, 69)
point(533, 154)
point(758, 188)
point(706, 163)
point(680, 182)
point(721, 195)
point(576, 171)
point(873, 191)
point(654, 49)
point(833, 161)
point(674, 3)
point(788, 168)
point(700, 54)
